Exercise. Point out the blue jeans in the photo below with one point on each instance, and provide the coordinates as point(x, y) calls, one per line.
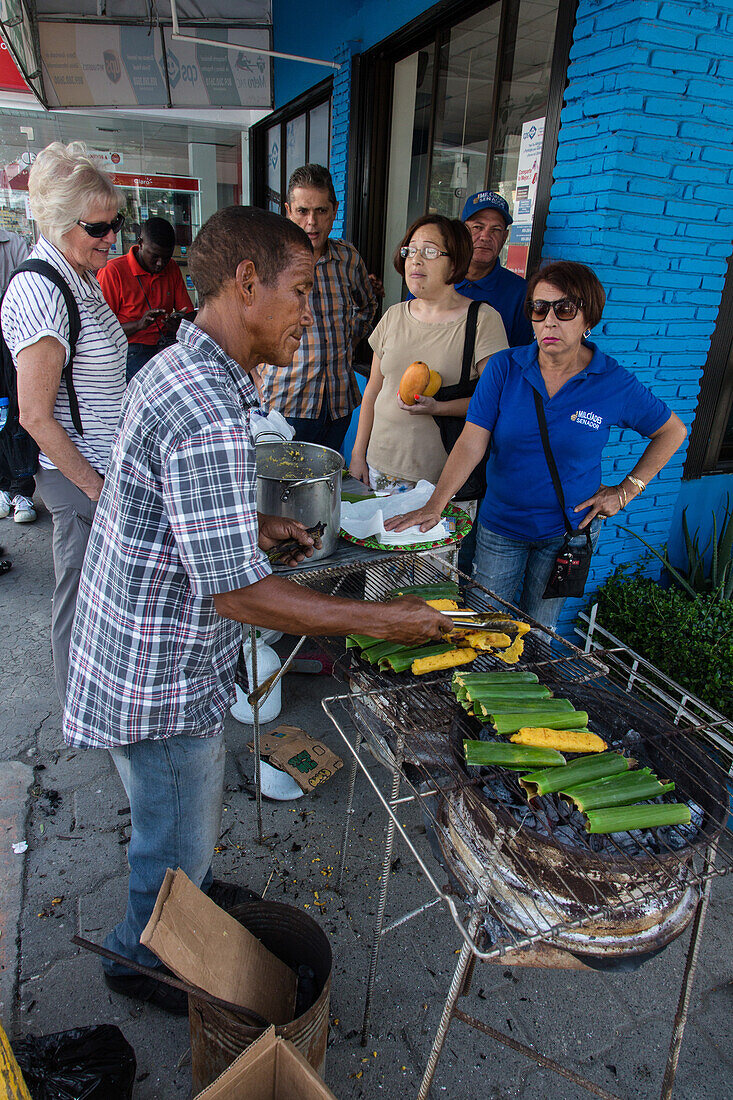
point(174, 786)
point(320, 429)
point(503, 564)
point(137, 356)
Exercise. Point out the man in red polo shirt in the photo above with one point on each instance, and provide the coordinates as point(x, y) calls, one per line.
point(145, 290)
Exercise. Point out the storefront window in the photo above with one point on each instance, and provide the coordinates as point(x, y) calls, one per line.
point(296, 135)
point(320, 134)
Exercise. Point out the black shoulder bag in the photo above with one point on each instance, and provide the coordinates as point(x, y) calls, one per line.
point(572, 564)
point(18, 449)
point(450, 427)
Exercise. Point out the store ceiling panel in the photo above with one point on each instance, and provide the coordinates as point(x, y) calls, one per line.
point(121, 53)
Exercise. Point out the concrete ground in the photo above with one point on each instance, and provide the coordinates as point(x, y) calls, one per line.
point(72, 879)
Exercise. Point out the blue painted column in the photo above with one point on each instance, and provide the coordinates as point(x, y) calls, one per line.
point(643, 193)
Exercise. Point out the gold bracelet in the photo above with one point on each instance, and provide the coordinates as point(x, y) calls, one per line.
point(621, 496)
point(636, 482)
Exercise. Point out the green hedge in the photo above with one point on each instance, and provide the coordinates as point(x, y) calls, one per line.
point(689, 640)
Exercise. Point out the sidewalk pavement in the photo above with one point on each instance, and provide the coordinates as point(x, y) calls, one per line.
point(73, 879)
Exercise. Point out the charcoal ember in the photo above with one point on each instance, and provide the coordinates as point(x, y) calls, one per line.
point(565, 834)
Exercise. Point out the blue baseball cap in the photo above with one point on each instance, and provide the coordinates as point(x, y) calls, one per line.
point(486, 200)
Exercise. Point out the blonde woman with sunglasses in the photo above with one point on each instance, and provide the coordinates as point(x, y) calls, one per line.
point(582, 393)
point(77, 209)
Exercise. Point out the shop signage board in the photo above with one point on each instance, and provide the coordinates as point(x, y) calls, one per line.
point(525, 196)
point(93, 65)
point(17, 33)
point(19, 182)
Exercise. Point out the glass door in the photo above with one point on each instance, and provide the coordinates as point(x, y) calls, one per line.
point(468, 115)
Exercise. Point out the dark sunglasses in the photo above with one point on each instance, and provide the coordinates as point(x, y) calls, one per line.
point(565, 309)
point(101, 229)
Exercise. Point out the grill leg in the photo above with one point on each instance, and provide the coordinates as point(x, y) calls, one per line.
point(683, 1005)
point(382, 904)
point(454, 993)
point(349, 810)
point(256, 734)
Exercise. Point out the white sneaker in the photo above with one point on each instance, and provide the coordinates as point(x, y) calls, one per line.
point(23, 509)
point(5, 504)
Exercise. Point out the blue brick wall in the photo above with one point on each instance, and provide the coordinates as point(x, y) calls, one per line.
point(340, 112)
point(643, 193)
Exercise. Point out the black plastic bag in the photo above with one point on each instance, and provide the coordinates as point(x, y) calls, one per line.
point(86, 1063)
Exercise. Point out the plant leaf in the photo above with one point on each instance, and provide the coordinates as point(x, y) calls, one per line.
point(666, 563)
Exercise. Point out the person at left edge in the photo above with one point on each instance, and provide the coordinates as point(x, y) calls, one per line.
point(16, 495)
point(146, 292)
point(175, 566)
point(318, 396)
point(77, 208)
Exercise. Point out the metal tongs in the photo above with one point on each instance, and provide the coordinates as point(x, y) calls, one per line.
point(467, 618)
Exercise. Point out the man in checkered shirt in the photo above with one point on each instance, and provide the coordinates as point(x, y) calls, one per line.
point(175, 565)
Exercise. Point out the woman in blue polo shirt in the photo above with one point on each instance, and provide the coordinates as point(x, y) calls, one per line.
point(583, 393)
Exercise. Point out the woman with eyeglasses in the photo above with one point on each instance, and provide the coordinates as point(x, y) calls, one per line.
point(582, 393)
point(72, 416)
point(396, 444)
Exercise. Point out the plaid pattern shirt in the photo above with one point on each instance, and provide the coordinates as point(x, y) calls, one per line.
point(176, 524)
point(344, 306)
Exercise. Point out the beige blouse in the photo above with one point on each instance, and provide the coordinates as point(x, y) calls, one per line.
point(406, 446)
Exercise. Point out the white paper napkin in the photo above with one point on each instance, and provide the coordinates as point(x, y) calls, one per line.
point(366, 518)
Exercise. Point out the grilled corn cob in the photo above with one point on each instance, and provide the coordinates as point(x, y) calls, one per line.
point(443, 604)
point(443, 660)
point(621, 819)
point(400, 662)
point(575, 773)
point(505, 724)
point(504, 755)
point(494, 705)
point(441, 590)
point(461, 677)
point(617, 790)
point(564, 740)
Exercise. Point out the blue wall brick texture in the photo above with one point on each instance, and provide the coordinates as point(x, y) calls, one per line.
point(340, 111)
point(643, 193)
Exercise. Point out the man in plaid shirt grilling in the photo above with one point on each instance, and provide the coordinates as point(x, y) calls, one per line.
point(319, 395)
point(175, 565)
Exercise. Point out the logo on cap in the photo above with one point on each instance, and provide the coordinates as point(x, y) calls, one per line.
point(486, 200)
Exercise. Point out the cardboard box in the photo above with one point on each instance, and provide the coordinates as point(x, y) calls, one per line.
point(206, 947)
point(308, 761)
point(269, 1069)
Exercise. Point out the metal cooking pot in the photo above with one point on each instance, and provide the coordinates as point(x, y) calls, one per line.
point(302, 481)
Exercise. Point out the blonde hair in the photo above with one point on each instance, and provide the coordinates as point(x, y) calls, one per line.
point(63, 182)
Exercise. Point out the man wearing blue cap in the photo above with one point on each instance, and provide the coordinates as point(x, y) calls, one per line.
point(487, 218)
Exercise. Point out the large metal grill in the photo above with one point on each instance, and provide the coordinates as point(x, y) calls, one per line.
point(527, 885)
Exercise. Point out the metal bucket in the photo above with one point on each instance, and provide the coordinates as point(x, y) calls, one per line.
point(302, 481)
point(218, 1035)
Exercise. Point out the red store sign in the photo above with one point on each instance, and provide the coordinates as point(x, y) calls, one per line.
point(122, 179)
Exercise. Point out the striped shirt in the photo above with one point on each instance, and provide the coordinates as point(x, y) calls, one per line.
point(176, 524)
point(33, 308)
point(344, 306)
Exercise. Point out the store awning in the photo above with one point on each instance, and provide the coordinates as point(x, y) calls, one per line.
point(124, 53)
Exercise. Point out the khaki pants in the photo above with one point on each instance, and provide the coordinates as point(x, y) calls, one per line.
point(72, 512)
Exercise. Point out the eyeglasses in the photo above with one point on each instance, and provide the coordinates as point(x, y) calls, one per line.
point(427, 251)
point(565, 309)
point(101, 229)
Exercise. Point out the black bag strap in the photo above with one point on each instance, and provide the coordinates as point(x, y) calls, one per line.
point(553, 465)
point(465, 387)
point(48, 271)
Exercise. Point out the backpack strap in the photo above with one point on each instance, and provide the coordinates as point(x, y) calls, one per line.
point(48, 271)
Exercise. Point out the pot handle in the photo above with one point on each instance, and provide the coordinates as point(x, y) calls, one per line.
point(293, 485)
point(273, 434)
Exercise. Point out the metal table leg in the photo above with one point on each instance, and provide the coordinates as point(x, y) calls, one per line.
point(688, 977)
point(255, 704)
point(349, 810)
point(382, 903)
point(454, 993)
